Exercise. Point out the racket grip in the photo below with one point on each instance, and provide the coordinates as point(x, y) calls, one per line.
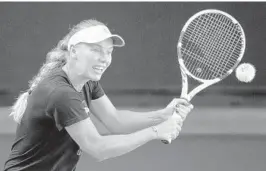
point(165, 142)
point(169, 141)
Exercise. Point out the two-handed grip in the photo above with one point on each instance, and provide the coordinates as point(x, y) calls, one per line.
point(169, 141)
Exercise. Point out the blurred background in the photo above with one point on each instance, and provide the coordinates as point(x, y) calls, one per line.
point(225, 131)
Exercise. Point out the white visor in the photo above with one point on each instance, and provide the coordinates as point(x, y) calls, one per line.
point(95, 34)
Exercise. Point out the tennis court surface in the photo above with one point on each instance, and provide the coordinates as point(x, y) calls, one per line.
point(231, 138)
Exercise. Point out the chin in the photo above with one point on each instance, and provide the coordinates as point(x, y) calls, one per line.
point(96, 78)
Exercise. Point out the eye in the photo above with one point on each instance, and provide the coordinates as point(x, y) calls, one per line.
point(109, 53)
point(96, 50)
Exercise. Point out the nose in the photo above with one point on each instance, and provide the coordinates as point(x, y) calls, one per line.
point(105, 58)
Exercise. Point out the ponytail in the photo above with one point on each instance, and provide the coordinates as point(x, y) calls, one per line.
point(19, 107)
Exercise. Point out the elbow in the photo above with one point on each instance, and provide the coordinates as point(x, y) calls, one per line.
point(117, 129)
point(116, 126)
point(98, 157)
point(96, 151)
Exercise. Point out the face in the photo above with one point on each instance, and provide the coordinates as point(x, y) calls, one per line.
point(93, 59)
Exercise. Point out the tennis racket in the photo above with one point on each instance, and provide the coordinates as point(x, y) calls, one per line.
point(210, 46)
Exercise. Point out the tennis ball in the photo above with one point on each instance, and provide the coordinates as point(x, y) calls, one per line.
point(245, 72)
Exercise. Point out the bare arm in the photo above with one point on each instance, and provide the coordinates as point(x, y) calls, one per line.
point(131, 121)
point(104, 147)
point(122, 121)
point(99, 125)
point(68, 111)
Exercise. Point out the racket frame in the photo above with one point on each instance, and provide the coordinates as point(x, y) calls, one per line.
point(185, 72)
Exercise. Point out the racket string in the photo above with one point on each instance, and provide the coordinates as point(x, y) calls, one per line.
point(225, 65)
point(203, 34)
point(210, 42)
point(222, 63)
point(196, 59)
point(226, 45)
point(229, 48)
point(189, 63)
point(214, 51)
point(235, 57)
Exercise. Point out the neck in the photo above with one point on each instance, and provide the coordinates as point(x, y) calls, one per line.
point(74, 78)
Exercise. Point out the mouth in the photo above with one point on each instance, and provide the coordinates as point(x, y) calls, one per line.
point(98, 69)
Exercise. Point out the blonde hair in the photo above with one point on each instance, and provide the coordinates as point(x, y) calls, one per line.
point(55, 59)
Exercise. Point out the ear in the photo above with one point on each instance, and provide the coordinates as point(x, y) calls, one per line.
point(73, 53)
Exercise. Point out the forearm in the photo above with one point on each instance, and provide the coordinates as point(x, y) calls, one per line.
point(117, 145)
point(101, 128)
point(130, 121)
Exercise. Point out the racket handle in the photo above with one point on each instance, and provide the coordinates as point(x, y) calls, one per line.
point(165, 142)
point(169, 141)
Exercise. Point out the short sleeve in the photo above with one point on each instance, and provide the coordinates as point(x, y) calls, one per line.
point(97, 91)
point(66, 107)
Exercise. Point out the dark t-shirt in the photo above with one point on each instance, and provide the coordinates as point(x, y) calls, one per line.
point(42, 143)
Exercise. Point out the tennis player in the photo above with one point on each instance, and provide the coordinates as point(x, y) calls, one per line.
point(66, 111)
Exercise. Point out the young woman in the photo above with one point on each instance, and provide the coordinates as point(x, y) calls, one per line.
point(55, 115)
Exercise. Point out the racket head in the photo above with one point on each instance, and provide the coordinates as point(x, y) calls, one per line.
point(211, 45)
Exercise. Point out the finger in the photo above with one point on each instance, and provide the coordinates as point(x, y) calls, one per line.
point(177, 118)
point(165, 141)
point(182, 101)
point(183, 111)
point(174, 136)
point(175, 111)
point(177, 101)
point(184, 107)
point(178, 128)
point(169, 140)
point(180, 111)
point(180, 124)
point(183, 115)
point(172, 103)
point(188, 105)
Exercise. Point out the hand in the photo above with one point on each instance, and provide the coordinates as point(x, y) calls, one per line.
point(169, 129)
point(183, 109)
point(178, 109)
point(179, 106)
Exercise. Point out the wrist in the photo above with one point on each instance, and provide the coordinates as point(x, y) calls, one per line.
point(162, 115)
